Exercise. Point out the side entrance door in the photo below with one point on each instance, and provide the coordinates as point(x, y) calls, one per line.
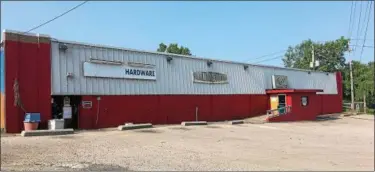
point(278, 101)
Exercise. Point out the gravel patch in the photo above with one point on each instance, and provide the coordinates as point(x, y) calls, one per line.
point(337, 145)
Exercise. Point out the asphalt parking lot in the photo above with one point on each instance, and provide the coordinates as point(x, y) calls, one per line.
point(341, 144)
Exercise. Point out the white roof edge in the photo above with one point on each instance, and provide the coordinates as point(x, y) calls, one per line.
point(182, 56)
point(24, 33)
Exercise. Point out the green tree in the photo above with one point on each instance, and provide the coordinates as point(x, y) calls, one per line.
point(162, 47)
point(363, 82)
point(330, 55)
point(174, 49)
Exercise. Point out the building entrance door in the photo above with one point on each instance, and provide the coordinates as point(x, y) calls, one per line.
point(282, 103)
point(278, 101)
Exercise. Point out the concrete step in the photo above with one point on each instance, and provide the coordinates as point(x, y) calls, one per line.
point(236, 122)
point(47, 132)
point(261, 119)
point(134, 126)
point(189, 123)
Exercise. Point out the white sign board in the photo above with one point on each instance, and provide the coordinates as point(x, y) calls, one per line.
point(118, 71)
point(67, 112)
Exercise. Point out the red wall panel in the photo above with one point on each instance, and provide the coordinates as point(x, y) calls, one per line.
point(178, 108)
point(259, 104)
point(87, 116)
point(13, 118)
point(299, 112)
point(169, 109)
point(28, 62)
point(229, 107)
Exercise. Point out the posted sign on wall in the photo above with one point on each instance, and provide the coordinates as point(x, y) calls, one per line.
point(118, 71)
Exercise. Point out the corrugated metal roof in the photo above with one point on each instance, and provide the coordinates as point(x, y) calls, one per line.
point(172, 78)
point(153, 52)
point(178, 55)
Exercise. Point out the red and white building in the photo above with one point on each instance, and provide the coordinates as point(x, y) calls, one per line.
point(111, 85)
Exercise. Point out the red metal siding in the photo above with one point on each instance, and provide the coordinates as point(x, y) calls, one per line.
point(259, 104)
point(333, 103)
point(29, 63)
point(228, 107)
point(182, 108)
point(169, 109)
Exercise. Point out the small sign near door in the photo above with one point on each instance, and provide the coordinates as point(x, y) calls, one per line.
point(304, 100)
point(86, 104)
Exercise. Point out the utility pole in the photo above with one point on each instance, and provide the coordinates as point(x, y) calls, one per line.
point(314, 63)
point(364, 103)
point(312, 57)
point(351, 85)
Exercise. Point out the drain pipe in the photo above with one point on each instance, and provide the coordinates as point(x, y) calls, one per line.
point(98, 110)
point(196, 113)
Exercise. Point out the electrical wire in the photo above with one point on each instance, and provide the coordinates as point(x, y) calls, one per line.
point(66, 12)
point(353, 19)
point(269, 59)
point(267, 55)
point(366, 46)
point(350, 20)
point(358, 29)
point(367, 39)
point(364, 37)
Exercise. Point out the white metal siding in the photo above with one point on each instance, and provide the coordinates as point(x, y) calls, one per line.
point(172, 78)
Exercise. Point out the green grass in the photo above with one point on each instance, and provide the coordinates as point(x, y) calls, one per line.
point(369, 110)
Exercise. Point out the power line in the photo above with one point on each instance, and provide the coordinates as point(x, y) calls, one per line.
point(353, 19)
point(56, 17)
point(269, 59)
point(364, 40)
point(366, 46)
point(358, 28)
point(267, 55)
point(350, 20)
point(367, 39)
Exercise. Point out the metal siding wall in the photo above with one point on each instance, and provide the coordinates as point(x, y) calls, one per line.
point(174, 78)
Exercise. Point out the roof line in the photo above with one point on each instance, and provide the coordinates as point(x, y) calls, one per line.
point(181, 56)
point(161, 53)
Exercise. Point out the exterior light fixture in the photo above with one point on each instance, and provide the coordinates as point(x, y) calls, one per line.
point(63, 47)
point(245, 67)
point(169, 59)
point(209, 63)
point(69, 75)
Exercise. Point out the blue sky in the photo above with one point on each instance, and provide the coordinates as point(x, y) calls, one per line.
point(238, 31)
